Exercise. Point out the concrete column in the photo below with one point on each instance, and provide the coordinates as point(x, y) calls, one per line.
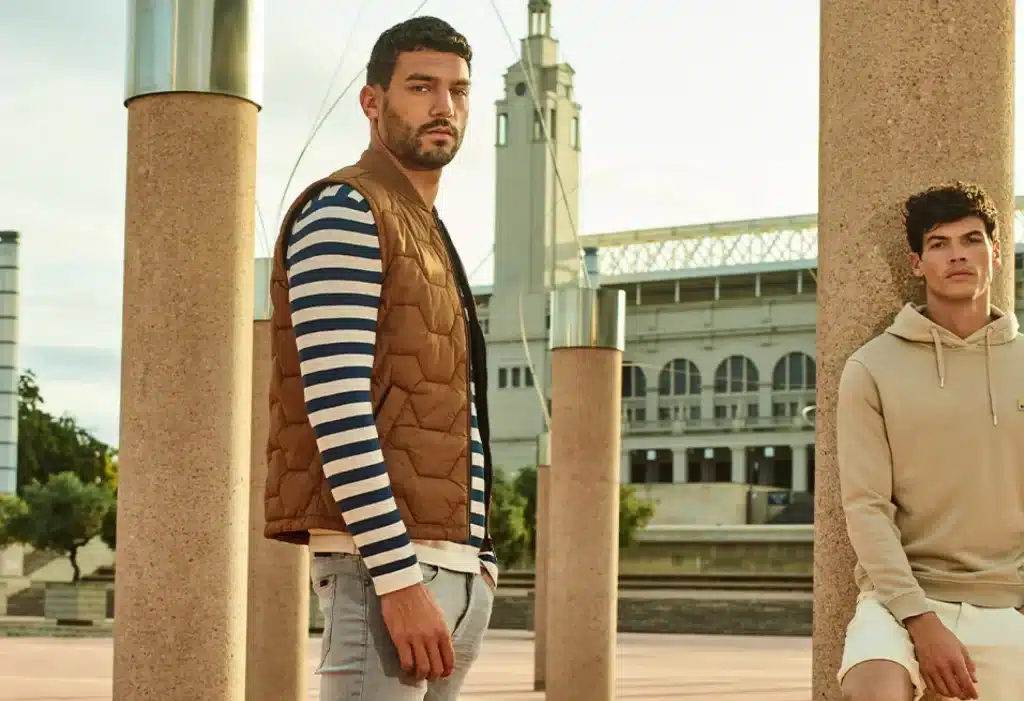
point(587, 340)
point(800, 482)
point(542, 567)
point(764, 398)
point(739, 465)
point(679, 471)
point(278, 621)
point(896, 117)
point(707, 403)
point(186, 380)
point(652, 396)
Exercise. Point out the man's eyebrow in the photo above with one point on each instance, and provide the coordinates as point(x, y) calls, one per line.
point(424, 78)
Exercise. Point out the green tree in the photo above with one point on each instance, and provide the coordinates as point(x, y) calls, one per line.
point(508, 522)
point(12, 510)
point(63, 515)
point(635, 512)
point(108, 530)
point(525, 484)
point(48, 444)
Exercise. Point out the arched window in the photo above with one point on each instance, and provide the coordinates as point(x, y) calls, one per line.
point(634, 383)
point(736, 374)
point(679, 377)
point(794, 371)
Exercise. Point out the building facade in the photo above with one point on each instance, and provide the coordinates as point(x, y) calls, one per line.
point(719, 380)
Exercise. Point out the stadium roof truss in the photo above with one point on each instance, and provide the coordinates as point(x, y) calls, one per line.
point(735, 247)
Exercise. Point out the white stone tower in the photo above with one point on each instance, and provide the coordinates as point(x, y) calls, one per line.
point(535, 249)
point(537, 179)
point(8, 361)
point(11, 559)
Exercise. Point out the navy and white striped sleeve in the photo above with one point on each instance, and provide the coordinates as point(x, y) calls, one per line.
point(334, 280)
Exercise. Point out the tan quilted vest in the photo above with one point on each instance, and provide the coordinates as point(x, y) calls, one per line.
point(420, 376)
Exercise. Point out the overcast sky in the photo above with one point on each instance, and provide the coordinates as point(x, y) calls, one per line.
point(692, 112)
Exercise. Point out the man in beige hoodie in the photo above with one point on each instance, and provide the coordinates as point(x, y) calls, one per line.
point(931, 463)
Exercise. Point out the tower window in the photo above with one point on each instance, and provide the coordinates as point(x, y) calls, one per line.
point(502, 136)
point(553, 126)
point(574, 133)
point(538, 126)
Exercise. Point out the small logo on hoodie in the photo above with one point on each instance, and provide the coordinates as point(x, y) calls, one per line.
point(1020, 405)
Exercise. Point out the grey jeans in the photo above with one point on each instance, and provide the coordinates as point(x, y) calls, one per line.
point(358, 660)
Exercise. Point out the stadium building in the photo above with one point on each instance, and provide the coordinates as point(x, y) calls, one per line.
point(718, 382)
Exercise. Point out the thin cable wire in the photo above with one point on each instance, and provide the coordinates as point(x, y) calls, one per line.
point(262, 227)
point(548, 141)
point(264, 231)
point(319, 125)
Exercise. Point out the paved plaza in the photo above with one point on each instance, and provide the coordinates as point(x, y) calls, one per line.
point(663, 667)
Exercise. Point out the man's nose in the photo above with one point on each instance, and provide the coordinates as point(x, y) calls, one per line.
point(443, 106)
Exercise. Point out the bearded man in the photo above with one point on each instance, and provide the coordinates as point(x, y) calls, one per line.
point(379, 454)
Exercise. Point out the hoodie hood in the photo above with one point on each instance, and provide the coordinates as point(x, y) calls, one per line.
point(912, 325)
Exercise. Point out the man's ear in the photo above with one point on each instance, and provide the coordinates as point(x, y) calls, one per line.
point(370, 101)
point(997, 258)
point(915, 265)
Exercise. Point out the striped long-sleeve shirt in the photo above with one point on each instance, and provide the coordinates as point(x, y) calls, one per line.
point(335, 275)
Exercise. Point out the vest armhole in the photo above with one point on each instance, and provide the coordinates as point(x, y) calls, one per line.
point(284, 237)
point(384, 243)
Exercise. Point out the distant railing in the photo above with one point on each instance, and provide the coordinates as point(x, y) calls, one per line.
point(706, 425)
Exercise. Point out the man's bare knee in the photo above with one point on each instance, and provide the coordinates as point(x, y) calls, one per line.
point(878, 680)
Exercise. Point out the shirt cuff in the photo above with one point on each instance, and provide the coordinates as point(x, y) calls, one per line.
point(908, 605)
point(399, 579)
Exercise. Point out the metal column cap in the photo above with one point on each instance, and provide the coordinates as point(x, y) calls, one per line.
point(199, 46)
point(588, 318)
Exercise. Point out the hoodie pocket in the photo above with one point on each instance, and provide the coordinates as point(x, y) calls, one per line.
point(389, 410)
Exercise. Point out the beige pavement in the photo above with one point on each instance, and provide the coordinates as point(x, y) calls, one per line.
point(662, 667)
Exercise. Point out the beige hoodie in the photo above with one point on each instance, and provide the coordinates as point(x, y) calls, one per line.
point(931, 462)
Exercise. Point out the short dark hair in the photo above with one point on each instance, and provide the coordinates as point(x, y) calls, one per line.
point(945, 204)
point(416, 34)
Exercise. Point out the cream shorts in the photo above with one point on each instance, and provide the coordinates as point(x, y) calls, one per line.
point(993, 637)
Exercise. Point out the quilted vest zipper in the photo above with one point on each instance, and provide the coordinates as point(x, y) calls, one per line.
point(449, 249)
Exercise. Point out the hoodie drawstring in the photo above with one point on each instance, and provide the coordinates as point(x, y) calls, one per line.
point(988, 377)
point(940, 361)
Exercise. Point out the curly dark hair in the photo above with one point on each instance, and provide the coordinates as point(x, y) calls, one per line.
point(416, 34)
point(944, 204)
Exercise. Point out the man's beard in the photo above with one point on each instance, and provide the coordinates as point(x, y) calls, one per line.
point(403, 140)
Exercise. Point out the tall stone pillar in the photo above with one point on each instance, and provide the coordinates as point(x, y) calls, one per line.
point(193, 84)
point(587, 340)
point(542, 559)
point(901, 109)
point(278, 621)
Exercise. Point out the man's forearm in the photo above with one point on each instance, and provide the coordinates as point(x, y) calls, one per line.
point(876, 542)
point(334, 272)
point(865, 475)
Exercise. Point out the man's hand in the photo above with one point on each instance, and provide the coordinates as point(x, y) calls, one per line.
point(946, 667)
point(417, 627)
point(487, 579)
